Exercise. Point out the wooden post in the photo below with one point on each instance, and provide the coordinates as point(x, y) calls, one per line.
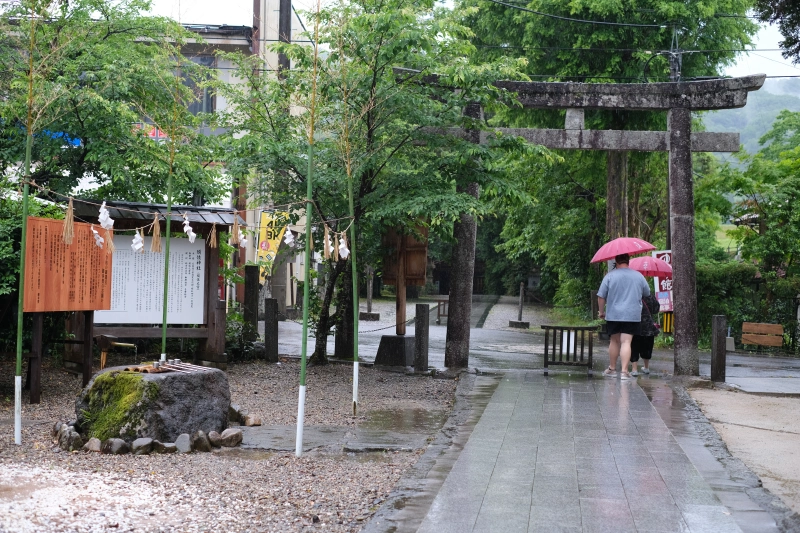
point(210, 348)
point(593, 299)
point(421, 335)
point(521, 299)
point(251, 290)
point(718, 350)
point(88, 344)
point(370, 274)
point(35, 360)
point(271, 329)
point(400, 287)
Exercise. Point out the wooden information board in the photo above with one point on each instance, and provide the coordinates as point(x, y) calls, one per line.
point(60, 277)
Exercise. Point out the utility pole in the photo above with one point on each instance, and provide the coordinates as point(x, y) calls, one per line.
point(675, 63)
point(284, 31)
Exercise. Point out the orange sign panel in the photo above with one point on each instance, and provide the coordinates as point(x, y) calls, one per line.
point(60, 277)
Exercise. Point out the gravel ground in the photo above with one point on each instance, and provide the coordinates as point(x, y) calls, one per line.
point(45, 489)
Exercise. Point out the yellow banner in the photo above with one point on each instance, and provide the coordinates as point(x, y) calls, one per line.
point(271, 228)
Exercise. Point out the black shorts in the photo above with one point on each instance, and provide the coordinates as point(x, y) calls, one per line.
point(631, 328)
point(641, 347)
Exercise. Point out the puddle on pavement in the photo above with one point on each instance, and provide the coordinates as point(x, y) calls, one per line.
point(406, 420)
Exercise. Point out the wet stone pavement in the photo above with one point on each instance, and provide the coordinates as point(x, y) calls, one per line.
point(567, 453)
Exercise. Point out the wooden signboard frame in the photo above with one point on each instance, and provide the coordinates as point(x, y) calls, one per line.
point(405, 264)
point(61, 277)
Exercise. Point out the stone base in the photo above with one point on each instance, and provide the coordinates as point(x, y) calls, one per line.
point(395, 350)
point(519, 324)
point(369, 317)
point(730, 346)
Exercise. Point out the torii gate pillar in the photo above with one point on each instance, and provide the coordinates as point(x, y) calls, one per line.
point(681, 208)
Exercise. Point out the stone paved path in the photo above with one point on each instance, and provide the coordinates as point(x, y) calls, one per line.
point(569, 454)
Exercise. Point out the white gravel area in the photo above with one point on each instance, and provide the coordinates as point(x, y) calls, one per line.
point(45, 489)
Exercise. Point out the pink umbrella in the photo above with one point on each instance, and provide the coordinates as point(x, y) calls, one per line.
point(623, 245)
point(651, 266)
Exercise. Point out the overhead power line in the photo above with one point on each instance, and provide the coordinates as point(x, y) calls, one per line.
point(582, 21)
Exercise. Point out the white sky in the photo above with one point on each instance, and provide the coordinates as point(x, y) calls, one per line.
point(239, 13)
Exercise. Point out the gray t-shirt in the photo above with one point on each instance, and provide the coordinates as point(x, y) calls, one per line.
point(623, 290)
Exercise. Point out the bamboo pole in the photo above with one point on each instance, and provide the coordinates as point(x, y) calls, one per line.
point(355, 294)
point(301, 400)
point(24, 238)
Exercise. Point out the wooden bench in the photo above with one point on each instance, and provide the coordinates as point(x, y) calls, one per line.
point(569, 347)
point(762, 334)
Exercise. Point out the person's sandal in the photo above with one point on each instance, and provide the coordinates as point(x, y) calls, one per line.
point(610, 372)
point(634, 372)
point(625, 376)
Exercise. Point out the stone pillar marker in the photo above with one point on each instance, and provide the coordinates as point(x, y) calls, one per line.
point(518, 323)
point(422, 323)
point(718, 348)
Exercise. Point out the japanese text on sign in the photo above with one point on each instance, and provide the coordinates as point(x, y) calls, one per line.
point(137, 286)
point(60, 277)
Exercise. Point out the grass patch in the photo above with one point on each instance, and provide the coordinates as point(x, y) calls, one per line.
point(728, 243)
point(117, 404)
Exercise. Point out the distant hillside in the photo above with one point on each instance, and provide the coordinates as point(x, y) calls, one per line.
point(756, 118)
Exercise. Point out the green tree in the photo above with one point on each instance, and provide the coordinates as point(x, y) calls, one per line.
point(98, 69)
point(769, 229)
point(379, 128)
point(786, 14)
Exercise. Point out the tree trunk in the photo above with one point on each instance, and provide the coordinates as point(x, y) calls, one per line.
point(343, 345)
point(616, 194)
point(320, 355)
point(456, 351)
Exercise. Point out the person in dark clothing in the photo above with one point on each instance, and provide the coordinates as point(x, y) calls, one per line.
point(642, 344)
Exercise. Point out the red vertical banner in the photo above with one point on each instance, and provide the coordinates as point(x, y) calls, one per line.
point(664, 286)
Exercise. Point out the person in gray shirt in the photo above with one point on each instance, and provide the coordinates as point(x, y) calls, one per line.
point(619, 300)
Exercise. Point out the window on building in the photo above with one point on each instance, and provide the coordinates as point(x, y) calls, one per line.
point(204, 97)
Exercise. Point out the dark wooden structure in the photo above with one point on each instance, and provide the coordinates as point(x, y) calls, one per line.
point(571, 346)
point(211, 333)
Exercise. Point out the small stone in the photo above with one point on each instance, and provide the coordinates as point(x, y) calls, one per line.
point(164, 447)
point(115, 447)
point(231, 437)
point(93, 445)
point(199, 442)
point(252, 420)
point(64, 436)
point(315, 518)
point(183, 444)
point(235, 413)
point(142, 446)
point(214, 439)
point(56, 427)
point(74, 441)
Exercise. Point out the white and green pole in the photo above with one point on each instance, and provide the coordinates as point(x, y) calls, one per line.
point(23, 242)
point(21, 300)
point(355, 295)
point(166, 268)
point(301, 401)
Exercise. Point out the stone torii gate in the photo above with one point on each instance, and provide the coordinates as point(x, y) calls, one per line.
point(678, 99)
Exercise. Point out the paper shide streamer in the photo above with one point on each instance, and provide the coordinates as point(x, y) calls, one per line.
point(187, 229)
point(107, 223)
